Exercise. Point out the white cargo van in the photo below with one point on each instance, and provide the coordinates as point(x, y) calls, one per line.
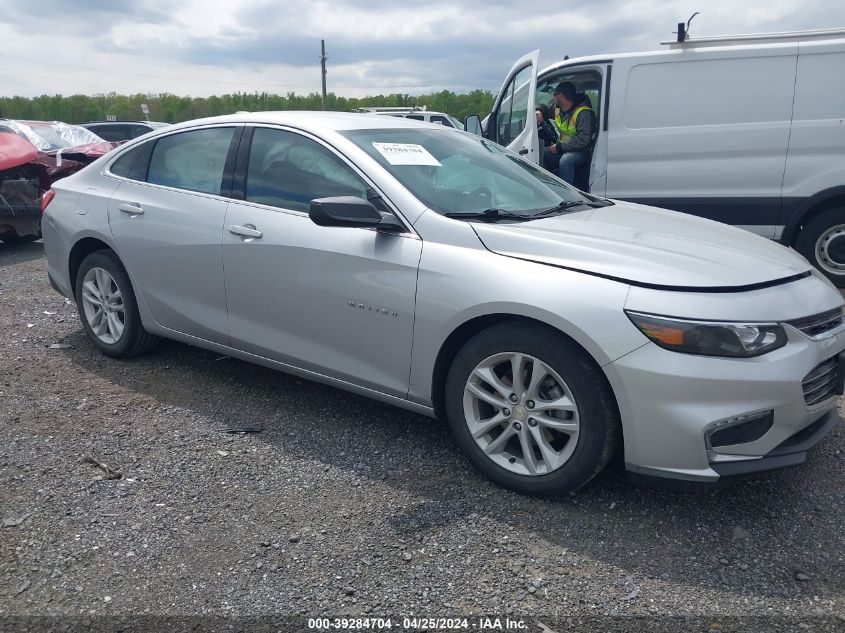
point(748, 130)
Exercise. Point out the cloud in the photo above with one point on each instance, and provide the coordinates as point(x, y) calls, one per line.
point(203, 47)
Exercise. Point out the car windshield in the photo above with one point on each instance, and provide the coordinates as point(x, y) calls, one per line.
point(457, 173)
point(54, 136)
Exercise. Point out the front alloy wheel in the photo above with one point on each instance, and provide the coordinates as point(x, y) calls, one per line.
point(521, 413)
point(531, 409)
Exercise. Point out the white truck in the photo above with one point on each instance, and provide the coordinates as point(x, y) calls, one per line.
point(747, 130)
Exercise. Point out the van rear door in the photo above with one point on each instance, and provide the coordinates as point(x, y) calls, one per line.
point(511, 123)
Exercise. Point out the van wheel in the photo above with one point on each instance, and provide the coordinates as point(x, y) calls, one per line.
point(531, 410)
point(822, 241)
point(108, 309)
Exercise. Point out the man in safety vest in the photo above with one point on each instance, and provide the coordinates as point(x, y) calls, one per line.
point(575, 124)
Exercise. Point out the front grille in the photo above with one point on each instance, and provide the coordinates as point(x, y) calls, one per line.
point(821, 383)
point(819, 324)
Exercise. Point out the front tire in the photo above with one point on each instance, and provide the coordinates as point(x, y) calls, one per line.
point(546, 433)
point(108, 308)
point(822, 242)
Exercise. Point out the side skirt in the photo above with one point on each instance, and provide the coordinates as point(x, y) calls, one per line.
point(402, 403)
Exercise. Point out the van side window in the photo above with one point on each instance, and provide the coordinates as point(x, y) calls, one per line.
point(288, 170)
point(589, 86)
point(192, 160)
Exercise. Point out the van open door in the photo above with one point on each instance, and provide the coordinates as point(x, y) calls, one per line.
point(512, 123)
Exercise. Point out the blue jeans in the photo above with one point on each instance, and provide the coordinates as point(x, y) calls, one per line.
point(568, 162)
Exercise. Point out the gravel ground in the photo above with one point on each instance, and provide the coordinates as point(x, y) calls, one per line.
point(344, 506)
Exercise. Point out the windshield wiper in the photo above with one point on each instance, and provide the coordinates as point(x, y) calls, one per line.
point(566, 205)
point(488, 214)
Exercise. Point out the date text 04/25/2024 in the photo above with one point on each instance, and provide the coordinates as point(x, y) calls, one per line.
point(417, 623)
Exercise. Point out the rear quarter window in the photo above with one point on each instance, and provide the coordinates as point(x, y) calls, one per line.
point(133, 163)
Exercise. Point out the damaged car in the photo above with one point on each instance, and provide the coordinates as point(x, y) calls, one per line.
point(22, 181)
point(33, 155)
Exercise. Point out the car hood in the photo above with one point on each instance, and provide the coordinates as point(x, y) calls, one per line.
point(647, 246)
point(15, 151)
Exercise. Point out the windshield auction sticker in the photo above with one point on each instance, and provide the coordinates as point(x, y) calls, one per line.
point(406, 154)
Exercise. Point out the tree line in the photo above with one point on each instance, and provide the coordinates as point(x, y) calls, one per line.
point(173, 108)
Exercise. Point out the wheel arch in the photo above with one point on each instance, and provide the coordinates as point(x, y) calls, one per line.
point(468, 329)
point(809, 208)
point(80, 250)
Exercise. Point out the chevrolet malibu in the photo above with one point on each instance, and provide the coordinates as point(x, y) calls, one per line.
point(441, 273)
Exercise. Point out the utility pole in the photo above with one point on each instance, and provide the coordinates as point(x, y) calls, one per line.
point(323, 59)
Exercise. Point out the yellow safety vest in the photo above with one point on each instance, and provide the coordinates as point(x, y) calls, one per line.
point(567, 127)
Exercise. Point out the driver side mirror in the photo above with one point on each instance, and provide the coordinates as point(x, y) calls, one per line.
point(472, 124)
point(344, 211)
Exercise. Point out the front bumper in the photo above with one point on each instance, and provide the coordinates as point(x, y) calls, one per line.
point(668, 402)
point(790, 452)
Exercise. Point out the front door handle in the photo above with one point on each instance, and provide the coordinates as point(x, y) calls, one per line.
point(130, 208)
point(523, 151)
point(247, 231)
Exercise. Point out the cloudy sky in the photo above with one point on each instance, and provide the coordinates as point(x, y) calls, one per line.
point(204, 47)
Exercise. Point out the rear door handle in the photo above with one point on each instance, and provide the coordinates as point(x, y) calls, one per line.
point(244, 231)
point(130, 208)
point(523, 151)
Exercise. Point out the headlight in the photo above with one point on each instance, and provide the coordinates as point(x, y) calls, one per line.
point(710, 338)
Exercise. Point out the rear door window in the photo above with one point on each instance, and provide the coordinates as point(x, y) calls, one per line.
point(193, 160)
point(288, 171)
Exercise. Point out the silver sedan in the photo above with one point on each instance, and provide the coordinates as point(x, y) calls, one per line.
point(436, 271)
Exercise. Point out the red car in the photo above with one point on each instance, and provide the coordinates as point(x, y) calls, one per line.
point(33, 155)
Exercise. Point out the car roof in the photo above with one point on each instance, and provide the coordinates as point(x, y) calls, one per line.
point(153, 124)
point(313, 121)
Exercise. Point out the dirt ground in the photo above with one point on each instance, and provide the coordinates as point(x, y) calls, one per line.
point(336, 505)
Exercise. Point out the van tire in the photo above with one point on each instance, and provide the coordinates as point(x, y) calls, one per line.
point(823, 230)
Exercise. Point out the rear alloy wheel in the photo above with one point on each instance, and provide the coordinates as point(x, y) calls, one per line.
point(102, 303)
point(107, 307)
point(531, 409)
point(822, 241)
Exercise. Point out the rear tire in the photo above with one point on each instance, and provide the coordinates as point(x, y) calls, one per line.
point(822, 242)
point(124, 334)
point(521, 463)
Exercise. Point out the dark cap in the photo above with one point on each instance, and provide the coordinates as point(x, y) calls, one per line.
point(567, 89)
